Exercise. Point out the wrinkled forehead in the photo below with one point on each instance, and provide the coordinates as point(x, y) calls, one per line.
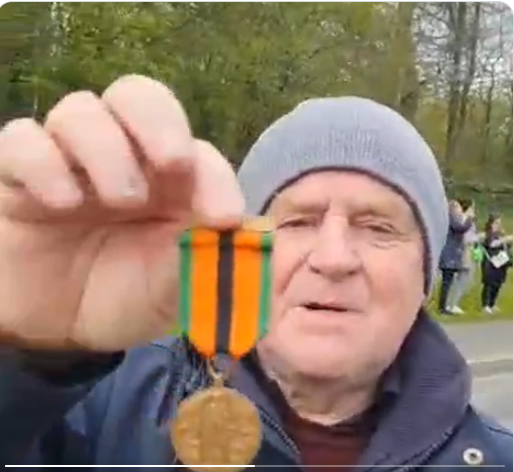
point(347, 190)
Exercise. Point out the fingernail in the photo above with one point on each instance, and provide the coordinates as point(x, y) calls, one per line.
point(136, 188)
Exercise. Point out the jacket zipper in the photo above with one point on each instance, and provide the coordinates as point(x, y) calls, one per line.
point(269, 421)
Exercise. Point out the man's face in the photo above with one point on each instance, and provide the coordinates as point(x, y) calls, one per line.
point(348, 276)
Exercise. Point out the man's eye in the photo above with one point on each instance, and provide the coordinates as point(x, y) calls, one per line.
point(378, 228)
point(296, 223)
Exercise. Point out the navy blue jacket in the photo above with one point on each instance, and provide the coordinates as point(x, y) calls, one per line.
point(122, 417)
point(452, 255)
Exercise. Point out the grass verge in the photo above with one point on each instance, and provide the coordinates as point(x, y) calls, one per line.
point(472, 307)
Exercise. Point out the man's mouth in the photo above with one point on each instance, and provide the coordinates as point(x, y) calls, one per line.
point(315, 306)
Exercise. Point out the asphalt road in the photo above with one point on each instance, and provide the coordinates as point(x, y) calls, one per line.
point(480, 341)
point(493, 395)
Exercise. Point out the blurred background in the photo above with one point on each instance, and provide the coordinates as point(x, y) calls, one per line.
point(237, 66)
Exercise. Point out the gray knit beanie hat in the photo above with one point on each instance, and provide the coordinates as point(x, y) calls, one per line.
point(355, 134)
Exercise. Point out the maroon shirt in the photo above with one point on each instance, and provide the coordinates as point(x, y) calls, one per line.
point(339, 445)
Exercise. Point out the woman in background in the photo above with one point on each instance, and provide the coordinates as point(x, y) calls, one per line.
point(464, 276)
point(496, 263)
point(452, 256)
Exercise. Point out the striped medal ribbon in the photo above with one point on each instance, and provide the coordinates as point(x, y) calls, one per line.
point(225, 289)
point(224, 305)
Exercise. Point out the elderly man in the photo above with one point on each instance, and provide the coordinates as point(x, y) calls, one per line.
point(352, 371)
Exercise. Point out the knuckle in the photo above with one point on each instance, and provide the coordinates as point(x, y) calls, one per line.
point(132, 86)
point(139, 90)
point(207, 152)
point(19, 138)
point(24, 142)
point(17, 127)
point(16, 137)
point(73, 104)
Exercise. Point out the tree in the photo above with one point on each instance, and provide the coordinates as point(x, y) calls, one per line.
point(239, 66)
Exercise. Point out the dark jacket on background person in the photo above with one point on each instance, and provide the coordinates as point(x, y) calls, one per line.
point(452, 256)
point(120, 414)
point(493, 246)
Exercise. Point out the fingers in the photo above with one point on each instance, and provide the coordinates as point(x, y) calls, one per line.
point(136, 115)
point(89, 135)
point(153, 117)
point(137, 123)
point(29, 157)
point(218, 200)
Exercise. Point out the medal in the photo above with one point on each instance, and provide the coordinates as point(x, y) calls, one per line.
point(224, 307)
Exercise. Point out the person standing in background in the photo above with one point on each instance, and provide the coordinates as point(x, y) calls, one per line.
point(451, 261)
point(464, 276)
point(496, 262)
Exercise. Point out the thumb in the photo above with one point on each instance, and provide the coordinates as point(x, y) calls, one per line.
point(218, 200)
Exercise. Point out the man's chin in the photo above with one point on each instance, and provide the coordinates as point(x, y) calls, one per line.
point(324, 357)
point(316, 364)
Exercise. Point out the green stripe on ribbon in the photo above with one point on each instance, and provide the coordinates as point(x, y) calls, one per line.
point(265, 295)
point(185, 272)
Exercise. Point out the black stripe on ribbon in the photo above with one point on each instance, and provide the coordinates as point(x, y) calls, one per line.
point(225, 276)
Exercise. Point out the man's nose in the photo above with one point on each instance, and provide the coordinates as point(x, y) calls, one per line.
point(334, 253)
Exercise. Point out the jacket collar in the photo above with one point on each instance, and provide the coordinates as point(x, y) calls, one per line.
point(434, 395)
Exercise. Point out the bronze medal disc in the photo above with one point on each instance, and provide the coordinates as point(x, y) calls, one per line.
point(217, 426)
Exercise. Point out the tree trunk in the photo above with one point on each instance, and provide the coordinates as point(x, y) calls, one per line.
point(471, 71)
point(458, 26)
point(487, 122)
